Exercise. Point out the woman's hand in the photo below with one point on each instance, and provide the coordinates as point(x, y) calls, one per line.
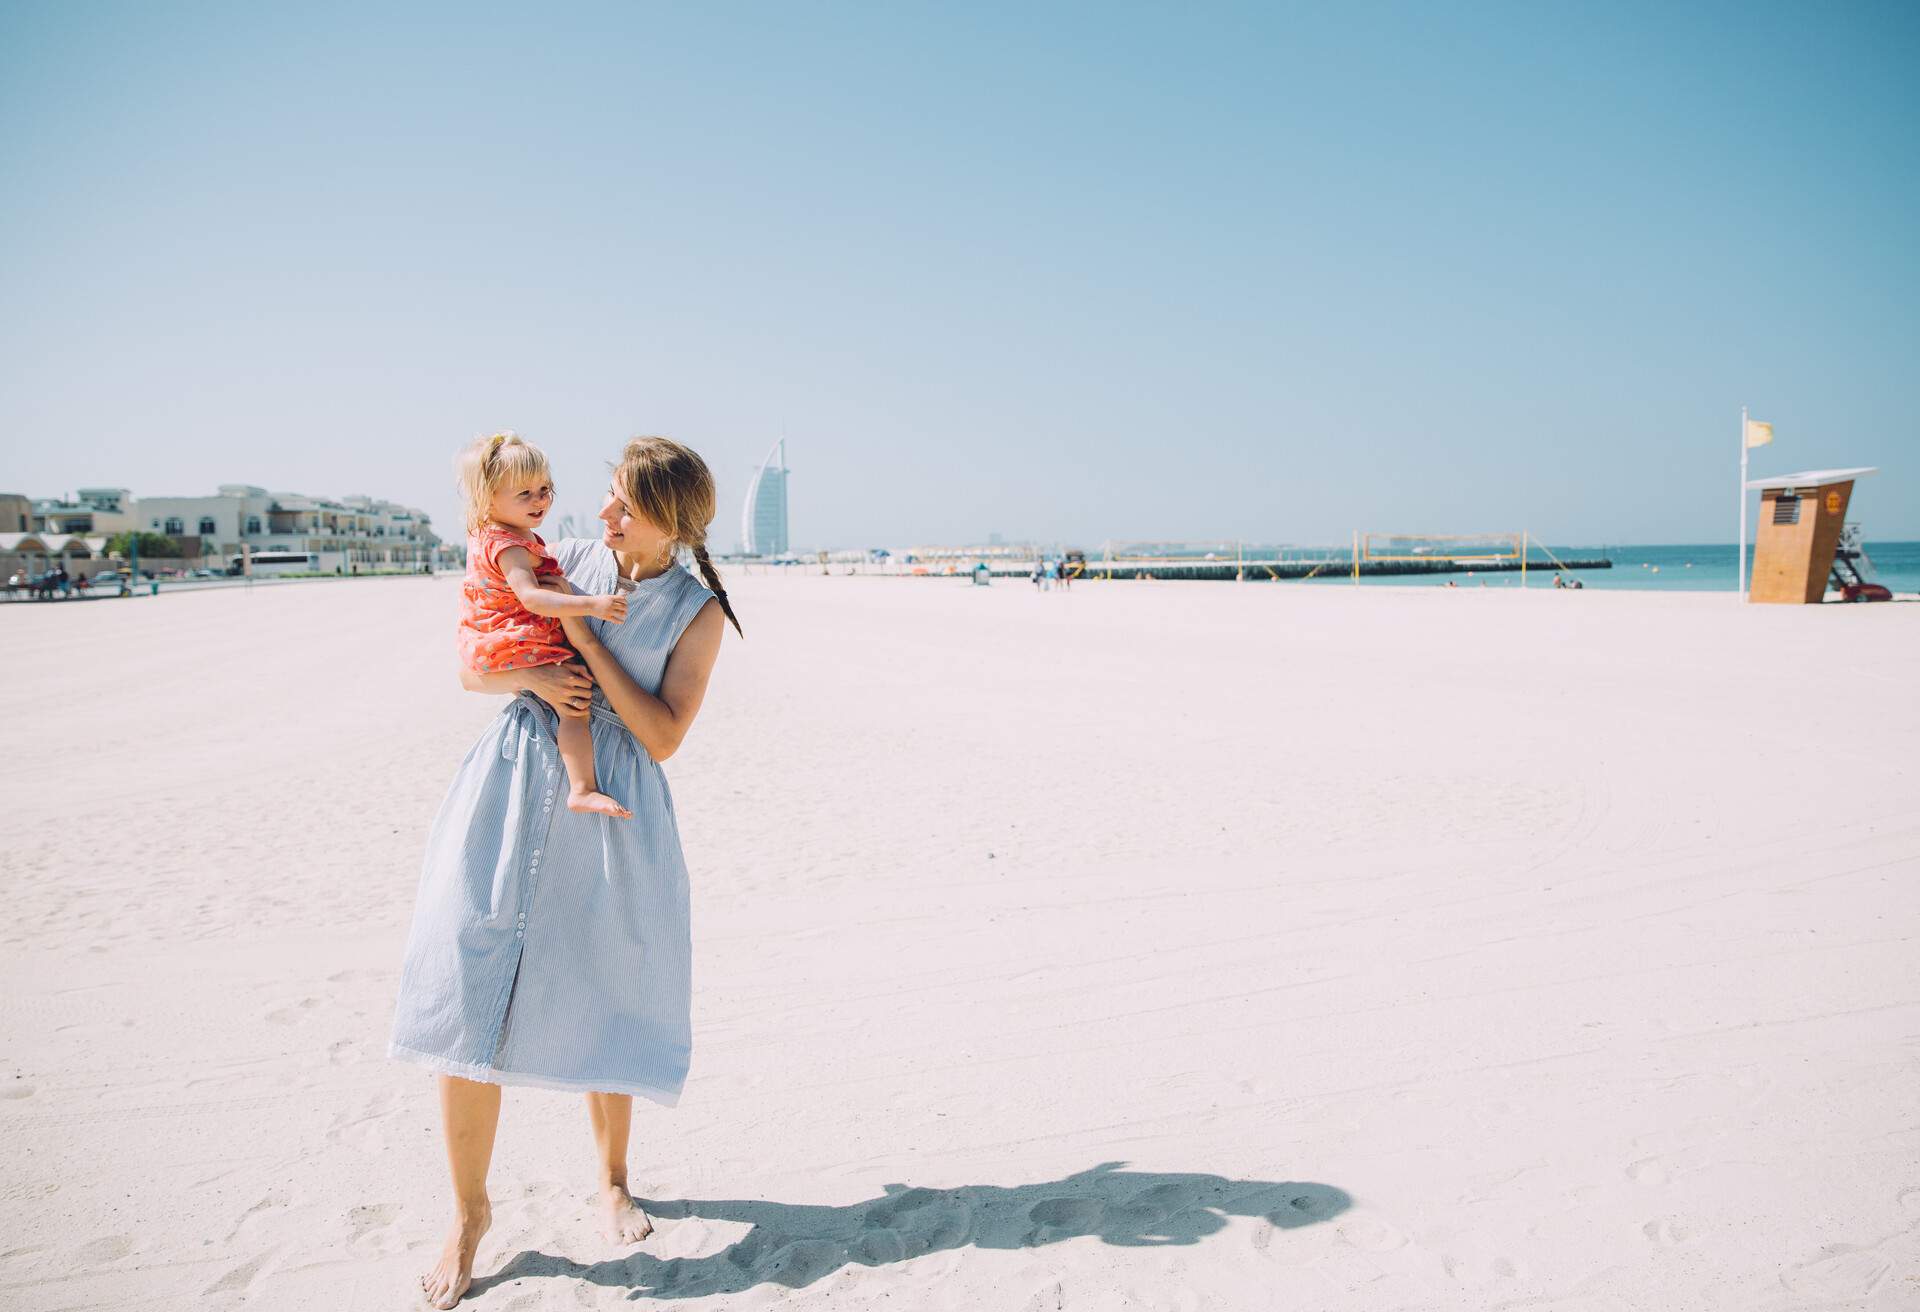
point(567, 688)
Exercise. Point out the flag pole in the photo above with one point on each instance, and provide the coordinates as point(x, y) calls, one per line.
point(1742, 550)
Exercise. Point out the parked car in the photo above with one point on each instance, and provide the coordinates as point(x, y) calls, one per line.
point(108, 578)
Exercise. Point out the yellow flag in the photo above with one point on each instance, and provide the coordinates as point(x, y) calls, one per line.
point(1758, 434)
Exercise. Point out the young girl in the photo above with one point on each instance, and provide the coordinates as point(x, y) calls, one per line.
point(515, 595)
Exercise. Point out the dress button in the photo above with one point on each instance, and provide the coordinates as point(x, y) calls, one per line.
point(519, 934)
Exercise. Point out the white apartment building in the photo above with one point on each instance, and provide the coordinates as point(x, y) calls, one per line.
point(356, 531)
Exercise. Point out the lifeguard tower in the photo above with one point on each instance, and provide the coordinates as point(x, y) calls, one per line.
point(1801, 519)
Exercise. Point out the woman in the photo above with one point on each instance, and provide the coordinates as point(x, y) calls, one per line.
point(552, 948)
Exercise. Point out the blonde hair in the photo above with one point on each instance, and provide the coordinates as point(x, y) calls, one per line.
point(673, 488)
point(487, 463)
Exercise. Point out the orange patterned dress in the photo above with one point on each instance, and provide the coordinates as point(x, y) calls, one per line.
point(496, 631)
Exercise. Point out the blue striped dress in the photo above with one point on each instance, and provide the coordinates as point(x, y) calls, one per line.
point(550, 948)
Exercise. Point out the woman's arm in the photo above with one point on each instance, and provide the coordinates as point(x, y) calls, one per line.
point(660, 723)
point(516, 565)
point(567, 688)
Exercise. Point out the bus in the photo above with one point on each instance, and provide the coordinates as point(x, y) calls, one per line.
point(266, 564)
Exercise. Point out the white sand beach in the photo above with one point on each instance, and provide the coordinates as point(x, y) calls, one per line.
point(1156, 946)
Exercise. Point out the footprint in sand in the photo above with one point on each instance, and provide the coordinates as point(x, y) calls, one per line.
point(107, 1248)
point(1370, 1234)
point(801, 1262)
point(1477, 1270)
point(373, 1222)
point(1842, 1273)
point(878, 1247)
point(1290, 1248)
point(926, 1220)
point(366, 1127)
point(292, 1012)
point(240, 1276)
point(16, 1089)
point(1664, 1231)
point(271, 1203)
point(1647, 1170)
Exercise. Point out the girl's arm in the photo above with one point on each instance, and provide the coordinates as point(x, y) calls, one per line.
point(660, 723)
point(516, 563)
point(567, 688)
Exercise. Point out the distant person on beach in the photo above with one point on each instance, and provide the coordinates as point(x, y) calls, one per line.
point(1039, 570)
point(515, 595)
point(551, 947)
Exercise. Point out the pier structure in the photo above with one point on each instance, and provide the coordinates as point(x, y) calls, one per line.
point(1371, 555)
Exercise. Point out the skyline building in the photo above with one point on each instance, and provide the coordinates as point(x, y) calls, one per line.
point(763, 516)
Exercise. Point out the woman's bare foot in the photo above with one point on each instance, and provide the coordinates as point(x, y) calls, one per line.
point(626, 1223)
point(597, 804)
point(444, 1285)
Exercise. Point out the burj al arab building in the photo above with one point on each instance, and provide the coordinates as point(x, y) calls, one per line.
point(763, 519)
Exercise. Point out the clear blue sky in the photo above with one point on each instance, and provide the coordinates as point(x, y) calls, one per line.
point(1063, 271)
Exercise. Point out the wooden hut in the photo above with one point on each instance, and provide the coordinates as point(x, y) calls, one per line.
point(1801, 516)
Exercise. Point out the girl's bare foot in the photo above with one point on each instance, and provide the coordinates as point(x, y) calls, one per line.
point(626, 1223)
point(597, 804)
point(444, 1285)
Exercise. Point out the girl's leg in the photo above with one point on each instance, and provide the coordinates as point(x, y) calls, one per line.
point(612, 1116)
point(469, 1114)
point(583, 790)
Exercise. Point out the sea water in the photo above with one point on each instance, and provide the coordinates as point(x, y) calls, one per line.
point(1696, 568)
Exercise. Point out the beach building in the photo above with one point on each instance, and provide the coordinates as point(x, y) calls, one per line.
point(1801, 520)
point(16, 513)
point(353, 532)
point(1801, 523)
point(210, 526)
point(94, 511)
point(763, 517)
point(32, 554)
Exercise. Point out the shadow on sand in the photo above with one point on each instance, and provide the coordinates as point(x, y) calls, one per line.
point(793, 1244)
